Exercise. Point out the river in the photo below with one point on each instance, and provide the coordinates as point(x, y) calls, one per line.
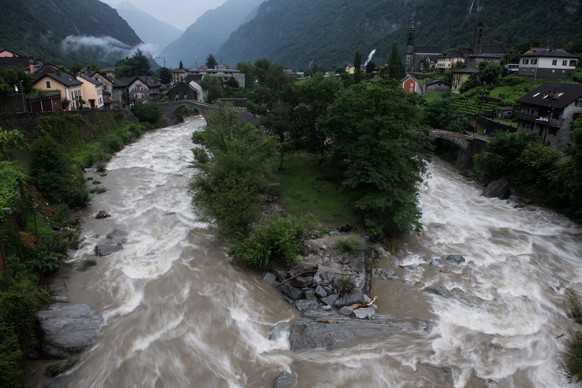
point(178, 313)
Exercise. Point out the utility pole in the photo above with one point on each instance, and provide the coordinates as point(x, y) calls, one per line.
point(164, 58)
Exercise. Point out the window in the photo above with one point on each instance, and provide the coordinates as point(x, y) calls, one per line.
point(572, 62)
point(554, 62)
point(534, 61)
point(565, 62)
point(525, 61)
point(48, 84)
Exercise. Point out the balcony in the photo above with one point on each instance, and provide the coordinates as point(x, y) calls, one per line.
point(540, 120)
point(525, 116)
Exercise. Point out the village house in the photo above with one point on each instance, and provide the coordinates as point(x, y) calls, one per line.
point(107, 88)
point(129, 90)
point(460, 76)
point(9, 58)
point(411, 85)
point(548, 111)
point(52, 78)
point(186, 91)
point(436, 86)
point(546, 63)
point(92, 91)
point(222, 72)
point(447, 62)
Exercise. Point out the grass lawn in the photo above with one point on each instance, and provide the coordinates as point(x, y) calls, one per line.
point(433, 96)
point(303, 194)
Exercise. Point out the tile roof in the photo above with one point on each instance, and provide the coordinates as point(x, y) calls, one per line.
point(553, 94)
point(64, 78)
point(547, 52)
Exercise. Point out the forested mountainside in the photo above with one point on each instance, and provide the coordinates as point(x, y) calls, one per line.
point(328, 32)
point(66, 31)
point(147, 27)
point(209, 32)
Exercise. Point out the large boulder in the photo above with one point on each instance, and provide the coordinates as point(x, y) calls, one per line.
point(112, 243)
point(285, 380)
point(498, 188)
point(332, 331)
point(68, 328)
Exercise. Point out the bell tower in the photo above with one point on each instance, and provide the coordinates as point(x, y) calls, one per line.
point(409, 60)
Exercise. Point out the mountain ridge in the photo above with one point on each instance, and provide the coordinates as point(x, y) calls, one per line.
point(150, 29)
point(209, 32)
point(328, 32)
point(66, 31)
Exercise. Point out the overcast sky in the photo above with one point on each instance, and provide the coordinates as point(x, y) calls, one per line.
point(179, 13)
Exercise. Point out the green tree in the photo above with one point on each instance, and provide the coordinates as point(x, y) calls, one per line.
point(53, 174)
point(248, 69)
point(10, 141)
point(149, 113)
point(228, 187)
point(165, 75)
point(572, 180)
point(11, 77)
point(489, 72)
point(395, 68)
point(357, 66)
point(138, 64)
point(213, 87)
point(443, 114)
point(380, 145)
point(314, 96)
point(211, 62)
point(500, 158)
point(12, 184)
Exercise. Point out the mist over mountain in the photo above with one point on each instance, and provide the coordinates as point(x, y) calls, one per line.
point(66, 31)
point(209, 32)
point(156, 33)
point(328, 32)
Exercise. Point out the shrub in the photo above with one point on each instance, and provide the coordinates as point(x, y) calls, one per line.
point(100, 166)
point(148, 113)
point(574, 305)
point(200, 156)
point(277, 240)
point(343, 285)
point(198, 137)
point(51, 254)
point(573, 355)
point(350, 244)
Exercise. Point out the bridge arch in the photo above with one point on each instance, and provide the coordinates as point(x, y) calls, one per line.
point(169, 109)
point(467, 144)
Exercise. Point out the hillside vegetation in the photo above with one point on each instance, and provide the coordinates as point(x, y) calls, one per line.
point(328, 32)
point(41, 27)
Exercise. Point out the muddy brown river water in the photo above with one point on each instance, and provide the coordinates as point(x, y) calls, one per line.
point(178, 313)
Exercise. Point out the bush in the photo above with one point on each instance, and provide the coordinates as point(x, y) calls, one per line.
point(148, 113)
point(574, 305)
point(343, 285)
point(277, 240)
point(10, 357)
point(350, 244)
point(200, 156)
point(573, 355)
point(51, 253)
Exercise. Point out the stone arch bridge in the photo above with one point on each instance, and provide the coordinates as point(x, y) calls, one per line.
point(468, 144)
point(168, 110)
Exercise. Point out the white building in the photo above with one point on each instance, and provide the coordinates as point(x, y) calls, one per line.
point(546, 63)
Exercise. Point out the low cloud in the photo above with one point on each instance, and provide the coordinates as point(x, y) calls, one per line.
point(106, 46)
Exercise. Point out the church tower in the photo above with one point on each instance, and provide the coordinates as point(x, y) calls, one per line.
point(409, 60)
point(477, 48)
